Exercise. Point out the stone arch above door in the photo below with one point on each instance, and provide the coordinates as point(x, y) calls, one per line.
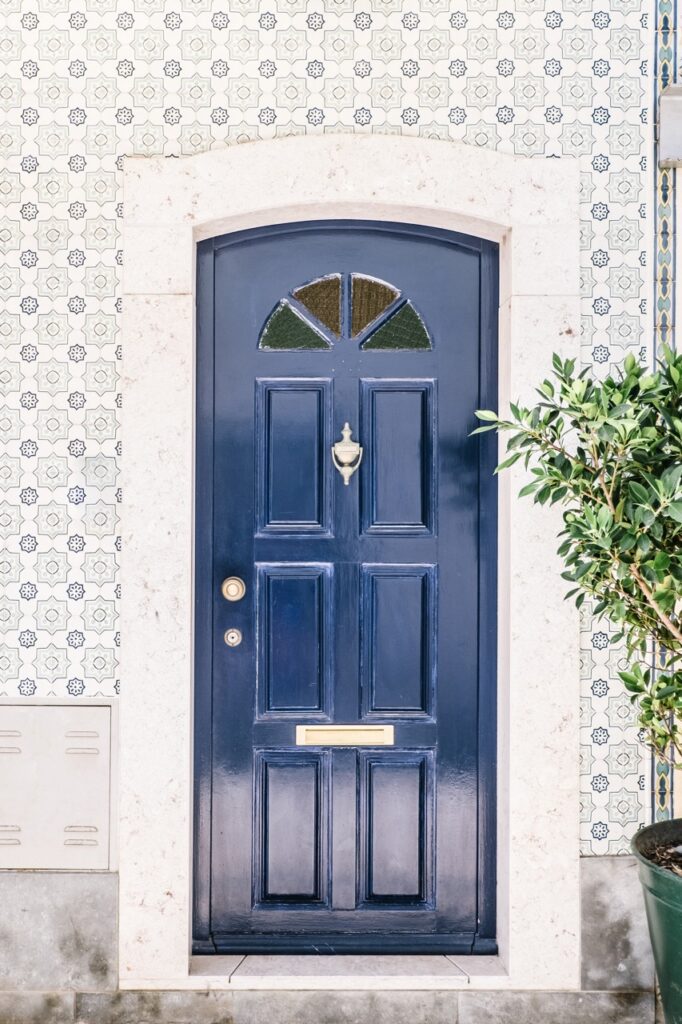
point(530, 207)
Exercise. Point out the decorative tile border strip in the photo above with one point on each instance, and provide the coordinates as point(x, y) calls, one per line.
point(665, 72)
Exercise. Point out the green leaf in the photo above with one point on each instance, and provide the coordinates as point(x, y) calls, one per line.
point(638, 492)
point(671, 478)
point(509, 461)
point(661, 561)
point(582, 570)
point(487, 414)
point(528, 488)
point(674, 510)
point(627, 542)
point(631, 682)
point(604, 518)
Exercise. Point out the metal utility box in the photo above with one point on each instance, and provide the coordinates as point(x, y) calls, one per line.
point(670, 127)
point(55, 786)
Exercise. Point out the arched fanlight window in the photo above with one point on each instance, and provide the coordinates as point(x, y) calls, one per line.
point(338, 307)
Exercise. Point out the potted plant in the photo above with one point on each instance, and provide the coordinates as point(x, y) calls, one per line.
point(609, 453)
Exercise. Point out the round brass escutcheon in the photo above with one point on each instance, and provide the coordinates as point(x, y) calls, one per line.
point(233, 637)
point(233, 588)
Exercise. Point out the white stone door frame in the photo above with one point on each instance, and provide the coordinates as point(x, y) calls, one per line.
point(530, 207)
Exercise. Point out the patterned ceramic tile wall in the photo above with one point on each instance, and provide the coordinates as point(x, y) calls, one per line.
point(83, 82)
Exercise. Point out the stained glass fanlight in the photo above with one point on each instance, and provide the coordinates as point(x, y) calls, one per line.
point(336, 307)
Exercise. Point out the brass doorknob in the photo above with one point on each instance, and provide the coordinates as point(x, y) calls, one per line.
point(233, 588)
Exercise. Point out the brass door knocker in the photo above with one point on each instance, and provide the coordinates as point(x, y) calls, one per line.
point(346, 454)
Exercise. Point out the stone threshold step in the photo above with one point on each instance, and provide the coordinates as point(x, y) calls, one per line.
point(262, 1007)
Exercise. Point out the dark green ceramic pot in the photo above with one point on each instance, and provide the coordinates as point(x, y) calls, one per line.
point(663, 899)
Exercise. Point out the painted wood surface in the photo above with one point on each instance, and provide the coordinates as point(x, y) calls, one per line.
point(367, 603)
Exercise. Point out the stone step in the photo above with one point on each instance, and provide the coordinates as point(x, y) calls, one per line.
point(263, 1007)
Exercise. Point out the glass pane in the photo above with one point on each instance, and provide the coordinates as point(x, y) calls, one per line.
point(287, 330)
point(323, 299)
point(404, 330)
point(369, 299)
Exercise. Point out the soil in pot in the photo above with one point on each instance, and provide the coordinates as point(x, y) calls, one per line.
point(666, 855)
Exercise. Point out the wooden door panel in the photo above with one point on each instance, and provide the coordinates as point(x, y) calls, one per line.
point(396, 822)
point(397, 626)
point(292, 427)
point(295, 621)
point(398, 424)
point(292, 806)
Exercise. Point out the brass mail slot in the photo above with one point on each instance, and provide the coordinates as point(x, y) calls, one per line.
point(344, 736)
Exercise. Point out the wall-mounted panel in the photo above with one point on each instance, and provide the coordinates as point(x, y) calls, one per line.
point(294, 638)
point(395, 815)
point(398, 430)
point(55, 781)
point(398, 623)
point(290, 846)
point(293, 417)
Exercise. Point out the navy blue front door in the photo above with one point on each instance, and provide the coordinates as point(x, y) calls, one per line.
point(345, 703)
